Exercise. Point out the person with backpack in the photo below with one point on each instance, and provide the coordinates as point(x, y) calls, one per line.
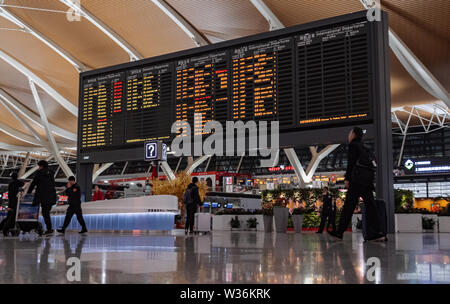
point(359, 181)
point(192, 201)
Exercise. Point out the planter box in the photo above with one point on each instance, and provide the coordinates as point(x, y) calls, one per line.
point(281, 217)
point(268, 223)
point(355, 222)
point(298, 222)
point(436, 222)
point(222, 222)
point(444, 223)
point(408, 222)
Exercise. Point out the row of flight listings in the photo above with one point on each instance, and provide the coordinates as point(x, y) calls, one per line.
point(330, 84)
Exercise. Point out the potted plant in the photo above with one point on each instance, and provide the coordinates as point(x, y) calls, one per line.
point(267, 210)
point(235, 223)
point(252, 223)
point(297, 217)
point(444, 219)
point(428, 224)
point(407, 219)
point(280, 215)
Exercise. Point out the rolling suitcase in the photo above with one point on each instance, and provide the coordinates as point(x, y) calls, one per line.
point(374, 222)
point(202, 222)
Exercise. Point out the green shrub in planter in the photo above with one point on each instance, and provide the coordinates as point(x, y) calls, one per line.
point(428, 223)
point(252, 223)
point(404, 201)
point(235, 223)
point(311, 220)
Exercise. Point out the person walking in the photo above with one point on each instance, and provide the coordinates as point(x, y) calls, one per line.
point(192, 201)
point(13, 190)
point(73, 192)
point(356, 188)
point(45, 195)
point(328, 211)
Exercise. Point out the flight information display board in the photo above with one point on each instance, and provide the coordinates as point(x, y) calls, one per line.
point(305, 78)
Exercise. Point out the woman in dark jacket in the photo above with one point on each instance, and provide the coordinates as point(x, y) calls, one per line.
point(355, 189)
point(45, 194)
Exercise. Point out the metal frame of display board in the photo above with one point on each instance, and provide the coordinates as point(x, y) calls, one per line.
point(379, 129)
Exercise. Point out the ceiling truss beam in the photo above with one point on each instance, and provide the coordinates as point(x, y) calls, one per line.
point(78, 8)
point(50, 43)
point(181, 22)
point(41, 83)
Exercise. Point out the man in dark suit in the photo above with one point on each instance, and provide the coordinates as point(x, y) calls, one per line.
point(13, 189)
point(45, 194)
point(73, 192)
point(355, 189)
point(328, 211)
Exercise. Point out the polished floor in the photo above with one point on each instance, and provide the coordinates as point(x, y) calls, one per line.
point(225, 257)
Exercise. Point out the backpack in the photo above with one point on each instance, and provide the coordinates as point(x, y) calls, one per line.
point(364, 171)
point(187, 199)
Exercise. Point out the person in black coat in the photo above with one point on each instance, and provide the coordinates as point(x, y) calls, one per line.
point(13, 190)
point(45, 194)
point(328, 211)
point(355, 189)
point(192, 201)
point(73, 192)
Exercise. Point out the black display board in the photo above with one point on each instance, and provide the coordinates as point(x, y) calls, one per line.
point(308, 77)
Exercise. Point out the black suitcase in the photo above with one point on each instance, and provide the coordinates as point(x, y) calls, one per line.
point(374, 222)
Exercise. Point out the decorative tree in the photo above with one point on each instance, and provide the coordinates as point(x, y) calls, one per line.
point(177, 187)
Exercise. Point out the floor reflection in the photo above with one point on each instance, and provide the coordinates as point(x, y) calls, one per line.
point(225, 257)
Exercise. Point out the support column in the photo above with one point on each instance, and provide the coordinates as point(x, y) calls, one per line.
point(383, 127)
point(24, 164)
point(167, 170)
point(306, 177)
point(84, 180)
point(197, 163)
point(400, 156)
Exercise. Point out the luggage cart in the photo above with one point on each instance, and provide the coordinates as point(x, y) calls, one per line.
point(27, 216)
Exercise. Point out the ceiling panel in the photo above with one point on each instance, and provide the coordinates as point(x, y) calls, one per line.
point(82, 39)
point(151, 32)
point(222, 19)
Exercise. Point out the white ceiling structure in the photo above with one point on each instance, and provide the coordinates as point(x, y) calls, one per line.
point(46, 43)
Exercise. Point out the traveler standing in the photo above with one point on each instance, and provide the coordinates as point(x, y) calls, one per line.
point(13, 190)
point(328, 211)
point(192, 201)
point(45, 194)
point(73, 192)
point(356, 187)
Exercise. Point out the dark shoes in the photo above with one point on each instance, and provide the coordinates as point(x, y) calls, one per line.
point(335, 234)
point(49, 232)
point(319, 232)
point(83, 231)
point(61, 231)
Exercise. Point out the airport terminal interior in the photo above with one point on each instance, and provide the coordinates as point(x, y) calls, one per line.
point(132, 97)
